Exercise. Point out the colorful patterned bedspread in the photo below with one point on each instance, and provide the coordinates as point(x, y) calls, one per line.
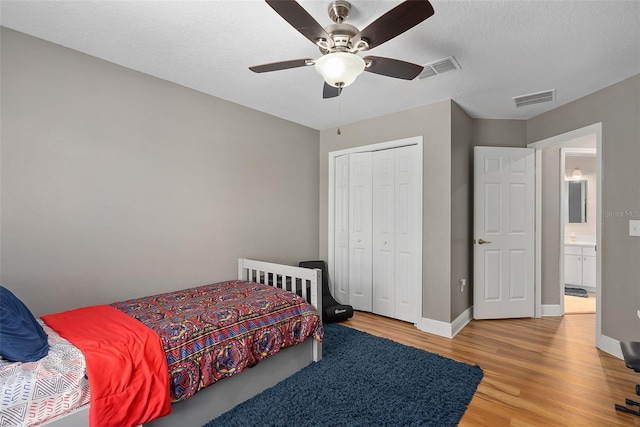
point(215, 331)
point(35, 392)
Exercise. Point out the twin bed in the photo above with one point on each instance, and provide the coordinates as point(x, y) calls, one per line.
point(129, 351)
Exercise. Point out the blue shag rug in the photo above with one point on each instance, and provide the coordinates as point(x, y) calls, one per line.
point(363, 380)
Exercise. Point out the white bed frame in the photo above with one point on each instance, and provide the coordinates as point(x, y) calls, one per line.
point(218, 398)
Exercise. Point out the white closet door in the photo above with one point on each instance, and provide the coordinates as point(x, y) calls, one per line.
point(383, 233)
point(406, 233)
point(341, 226)
point(360, 231)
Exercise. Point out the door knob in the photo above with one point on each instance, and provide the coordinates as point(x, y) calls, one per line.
point(482, 242)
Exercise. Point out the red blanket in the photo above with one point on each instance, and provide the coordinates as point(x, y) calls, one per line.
point(126, 364)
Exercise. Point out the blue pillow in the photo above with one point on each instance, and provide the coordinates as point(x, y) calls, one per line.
point(22, 339)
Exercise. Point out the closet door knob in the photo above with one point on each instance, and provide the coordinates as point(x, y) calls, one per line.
point(384, 243)
point(359, 240)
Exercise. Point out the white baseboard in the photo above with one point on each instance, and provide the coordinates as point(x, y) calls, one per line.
point(435, 327)
point(609, 345)
point(551, 310)
point(444, 329)
point(461, 321)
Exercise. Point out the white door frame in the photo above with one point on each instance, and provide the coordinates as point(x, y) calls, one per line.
point(416, 140)
point(595, 129)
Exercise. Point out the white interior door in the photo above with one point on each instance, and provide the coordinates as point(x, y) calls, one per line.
point(341, 227)
point(360, 231)
point(504, 242)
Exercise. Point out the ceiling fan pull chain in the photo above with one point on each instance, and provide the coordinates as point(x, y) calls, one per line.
point(339, 116)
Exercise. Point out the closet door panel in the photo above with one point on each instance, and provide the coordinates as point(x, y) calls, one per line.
point(406, 234)
point(341, 230)
point(360, 231)
point(383, 233)
point(404, 295)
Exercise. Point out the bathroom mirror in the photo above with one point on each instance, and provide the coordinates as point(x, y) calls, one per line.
point(576, 203)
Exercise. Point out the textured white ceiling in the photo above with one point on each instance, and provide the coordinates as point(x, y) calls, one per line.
point(505, 49)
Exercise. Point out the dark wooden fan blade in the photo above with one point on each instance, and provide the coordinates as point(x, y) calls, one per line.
point(330, 92)
point(395, 22)
point(392, 67)
point(300, 19)
point(283, 65)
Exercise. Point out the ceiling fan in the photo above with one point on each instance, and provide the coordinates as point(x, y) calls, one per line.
point(339, 43)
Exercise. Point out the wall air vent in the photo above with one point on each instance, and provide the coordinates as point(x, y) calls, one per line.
point(535, 98)
point(438, 67)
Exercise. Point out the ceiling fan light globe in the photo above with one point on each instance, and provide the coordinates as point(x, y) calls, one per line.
point(340, 69)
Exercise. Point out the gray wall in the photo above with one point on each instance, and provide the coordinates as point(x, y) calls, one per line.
point(461, 210)
point(550, 233)
point(499, 133)
point(116, 184)
point(433, 123)
point(617, 107)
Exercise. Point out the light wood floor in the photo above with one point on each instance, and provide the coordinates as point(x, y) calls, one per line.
point(577, 305)
point(537, 372)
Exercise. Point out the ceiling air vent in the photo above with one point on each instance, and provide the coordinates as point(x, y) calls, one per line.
point(438, 67)
point(535, 98)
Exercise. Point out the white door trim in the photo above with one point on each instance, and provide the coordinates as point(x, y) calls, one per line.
point(416, 140)
point(601, 341)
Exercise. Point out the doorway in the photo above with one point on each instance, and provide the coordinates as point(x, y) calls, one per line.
point(578, 173)
point(550, 246)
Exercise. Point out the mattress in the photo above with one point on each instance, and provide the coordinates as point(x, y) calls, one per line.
point(35, 392)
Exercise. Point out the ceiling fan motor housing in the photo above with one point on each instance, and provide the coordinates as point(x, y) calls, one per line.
point(339, 11)
point(341, 34)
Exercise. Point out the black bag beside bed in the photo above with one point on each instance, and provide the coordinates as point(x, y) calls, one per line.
point(332, 310)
